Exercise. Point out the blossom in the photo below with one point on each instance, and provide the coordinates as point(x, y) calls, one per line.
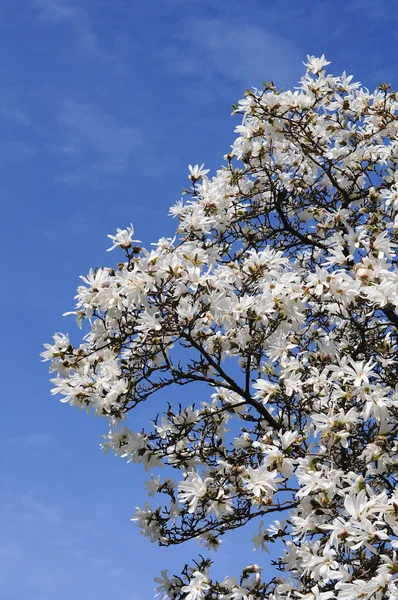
point(168, 587)
point(260, 482)
point(265, 388)
point(123, 238)
point(192, 489)
point(358, 372)
point(314, 64)
point(316, 594)
point(196, 587)
point(197, 172)
point(221, 505)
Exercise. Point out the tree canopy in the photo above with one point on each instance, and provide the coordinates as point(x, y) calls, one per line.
point(280, 292)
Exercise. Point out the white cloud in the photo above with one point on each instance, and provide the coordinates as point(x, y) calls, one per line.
point(374, 11)
point(74, 14)
point(239, 52)
point(34, 439)
point(10, 551)
point(93, 143)
point(14, 115)
point(245, 52)
point(36, 509)
point(57, 11)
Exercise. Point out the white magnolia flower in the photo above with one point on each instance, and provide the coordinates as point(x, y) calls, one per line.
point(265, 389)
point(192, 489)
point(197, 587)
point(123, 238)
point(197, 172)
point(314, 64)
point(261, 482)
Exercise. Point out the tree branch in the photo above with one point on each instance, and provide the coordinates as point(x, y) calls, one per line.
point(232, 384)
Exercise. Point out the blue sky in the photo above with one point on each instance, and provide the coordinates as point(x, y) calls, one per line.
point(103, 104)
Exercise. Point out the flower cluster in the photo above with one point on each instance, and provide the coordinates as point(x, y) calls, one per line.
point(280, 292)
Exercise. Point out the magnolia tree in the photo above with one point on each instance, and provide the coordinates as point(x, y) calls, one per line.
point(280, 292)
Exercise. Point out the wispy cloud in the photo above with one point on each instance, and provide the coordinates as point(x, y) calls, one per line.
point(10, 551)
point(57, 11)
point(374, 11)
point(74, 14)
point(245, 52)
point(36, 509)
point(93, 144)
point(236, 52)
point(17, 128)
point(33, 439)
point(14, 115)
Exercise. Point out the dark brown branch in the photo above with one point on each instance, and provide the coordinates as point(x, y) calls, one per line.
point(289, 227)
point(233, 386)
